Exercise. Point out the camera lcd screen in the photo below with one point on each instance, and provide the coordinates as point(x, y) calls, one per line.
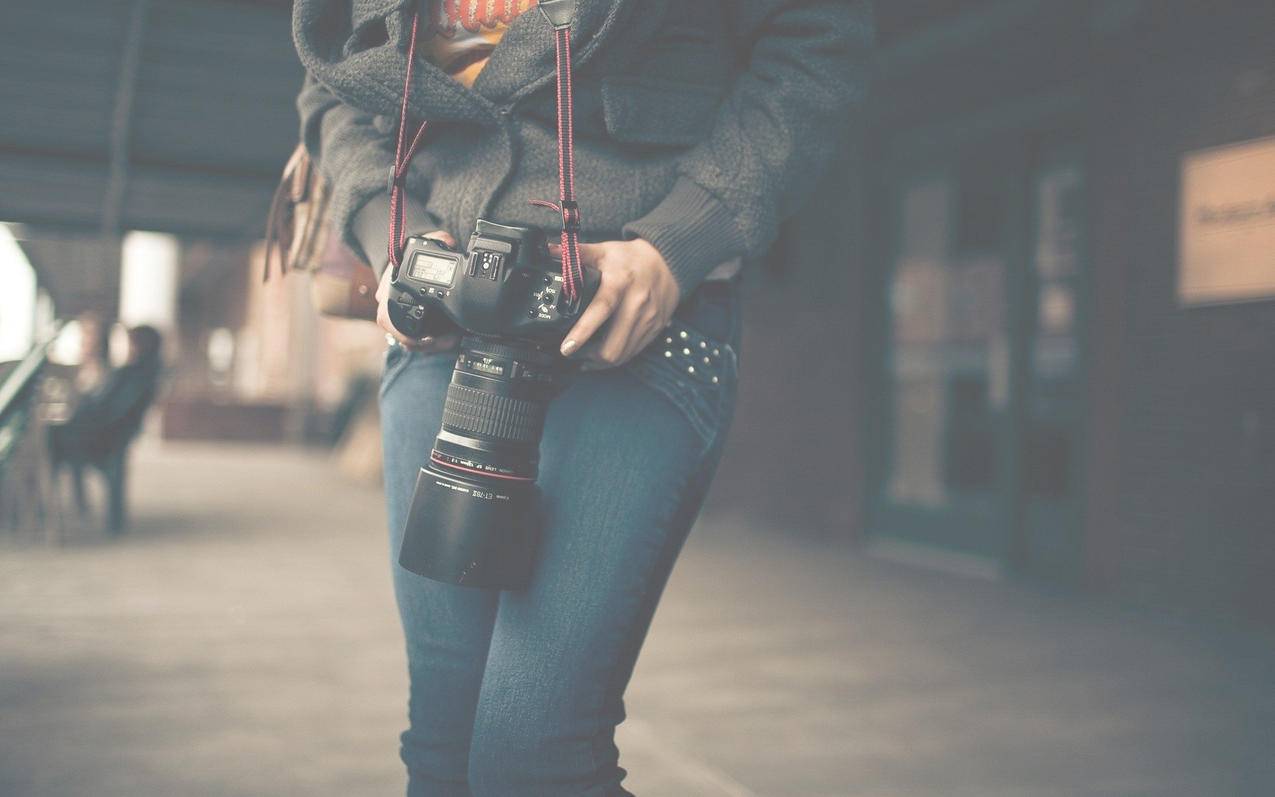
point(438, 270)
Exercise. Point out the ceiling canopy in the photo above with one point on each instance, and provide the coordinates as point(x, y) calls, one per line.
point(167, 115)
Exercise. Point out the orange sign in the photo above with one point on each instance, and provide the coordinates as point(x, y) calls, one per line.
point(1226, 224)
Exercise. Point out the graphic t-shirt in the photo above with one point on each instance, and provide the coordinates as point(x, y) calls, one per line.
point(459, 35)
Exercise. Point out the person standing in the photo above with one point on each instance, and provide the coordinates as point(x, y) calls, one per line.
point(698, 128)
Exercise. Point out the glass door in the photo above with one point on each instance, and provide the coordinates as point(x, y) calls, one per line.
point(948, 360)
point(981, 378)
point(1049, 540)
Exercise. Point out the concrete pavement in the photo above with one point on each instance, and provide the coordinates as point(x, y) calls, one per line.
point(242, 641)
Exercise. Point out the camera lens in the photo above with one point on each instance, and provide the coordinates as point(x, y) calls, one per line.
point(474, 519)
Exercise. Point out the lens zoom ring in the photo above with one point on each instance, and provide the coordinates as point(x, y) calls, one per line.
point(477, 412)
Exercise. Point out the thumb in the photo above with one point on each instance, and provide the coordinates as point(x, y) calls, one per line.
point(590, 254)
point(383, 287)
point(442, 235)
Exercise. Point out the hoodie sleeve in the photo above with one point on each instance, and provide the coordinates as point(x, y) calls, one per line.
point(355, 158)
point(804, 74)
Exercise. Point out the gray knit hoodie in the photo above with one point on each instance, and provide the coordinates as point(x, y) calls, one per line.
point(700, 124)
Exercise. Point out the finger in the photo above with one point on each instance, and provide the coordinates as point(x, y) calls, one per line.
point(442, 235)
point(649, 326)
point(615, 343)
point(383, 321)
point(590, 254)
point(610, 293)
point(383, 287)
point(432, 345)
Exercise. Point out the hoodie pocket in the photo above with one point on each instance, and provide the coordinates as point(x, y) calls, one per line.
point(658, 112)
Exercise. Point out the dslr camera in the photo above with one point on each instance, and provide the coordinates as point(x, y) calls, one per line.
point(474, 517)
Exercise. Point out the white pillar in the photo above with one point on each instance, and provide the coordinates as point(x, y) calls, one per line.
point(149, 275)
point(17, 299)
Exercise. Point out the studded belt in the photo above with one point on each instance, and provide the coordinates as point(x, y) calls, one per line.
point(695, 355)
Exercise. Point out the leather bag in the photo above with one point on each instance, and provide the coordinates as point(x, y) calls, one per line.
point(300, 236)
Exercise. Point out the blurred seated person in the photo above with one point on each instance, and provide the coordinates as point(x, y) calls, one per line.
point(106, 419)
point(94, 357)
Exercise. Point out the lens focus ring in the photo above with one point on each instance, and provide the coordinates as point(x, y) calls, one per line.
point(472, 411)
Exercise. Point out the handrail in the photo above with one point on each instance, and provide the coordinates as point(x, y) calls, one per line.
point(18, 379)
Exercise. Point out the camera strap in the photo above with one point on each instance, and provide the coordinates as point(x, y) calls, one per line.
point(559, 14)
point(403, 152)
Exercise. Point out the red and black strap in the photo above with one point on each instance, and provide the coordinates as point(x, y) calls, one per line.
point(572, 274)
point(403, 152)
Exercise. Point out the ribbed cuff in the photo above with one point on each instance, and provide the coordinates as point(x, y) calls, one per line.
point(370, 228)
point(693, 230)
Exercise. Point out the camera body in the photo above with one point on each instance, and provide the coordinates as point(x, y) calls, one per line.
point(474, 517)
point(503, 285)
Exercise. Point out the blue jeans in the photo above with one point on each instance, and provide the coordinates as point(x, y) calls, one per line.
point(518, 694)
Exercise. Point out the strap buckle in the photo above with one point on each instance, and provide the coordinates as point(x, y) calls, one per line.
point(570, 216)
point(558, 12)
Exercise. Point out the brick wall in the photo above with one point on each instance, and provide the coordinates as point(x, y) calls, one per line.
point(1181, 479)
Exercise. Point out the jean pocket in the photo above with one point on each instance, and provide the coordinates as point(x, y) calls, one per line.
point(696, 373)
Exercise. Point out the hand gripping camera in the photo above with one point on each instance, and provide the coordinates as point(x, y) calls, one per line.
point(474, 518)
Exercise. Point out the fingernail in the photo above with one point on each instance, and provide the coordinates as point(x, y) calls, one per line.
point(568, 346)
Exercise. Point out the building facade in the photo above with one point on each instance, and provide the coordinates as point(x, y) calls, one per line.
point(1068, 353)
